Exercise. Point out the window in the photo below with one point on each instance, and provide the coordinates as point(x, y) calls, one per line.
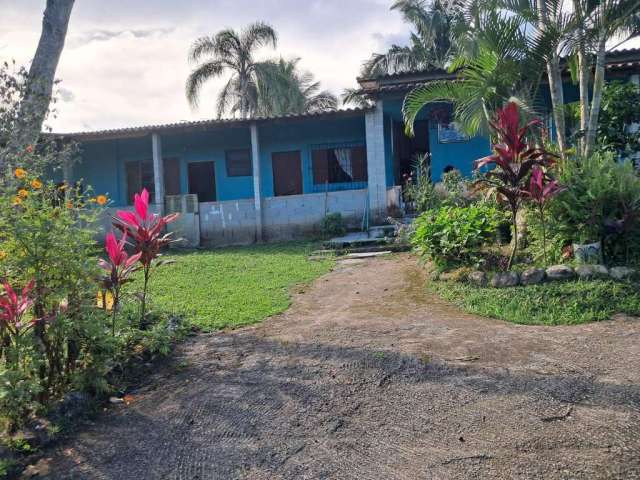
point(139, 176)
point(202, 181)
point(339, 165)
point(238, 163)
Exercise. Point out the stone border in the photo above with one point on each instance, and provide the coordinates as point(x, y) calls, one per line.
point(534, 276)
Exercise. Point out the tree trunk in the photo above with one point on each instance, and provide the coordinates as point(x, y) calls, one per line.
point(555, 82)
point(583, 76)
point(598, 84)
point(35, 105)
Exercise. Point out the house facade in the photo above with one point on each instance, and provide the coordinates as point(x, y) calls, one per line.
point(263, 179)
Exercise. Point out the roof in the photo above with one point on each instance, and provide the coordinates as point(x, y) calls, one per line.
point(140, 131)
point(403, 81)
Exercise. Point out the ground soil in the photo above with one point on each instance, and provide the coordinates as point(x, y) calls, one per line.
point(367, 376)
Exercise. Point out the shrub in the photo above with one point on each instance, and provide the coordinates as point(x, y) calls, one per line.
point(332, 225)
point(601, 202)
point(455, 235)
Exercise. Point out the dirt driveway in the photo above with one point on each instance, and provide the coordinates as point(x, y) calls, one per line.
point(368, 377)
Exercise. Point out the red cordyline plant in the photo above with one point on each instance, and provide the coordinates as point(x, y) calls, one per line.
point(118, 268)
point(13, 307)
point(541, 189)
point(146, 230)
point(512, 160)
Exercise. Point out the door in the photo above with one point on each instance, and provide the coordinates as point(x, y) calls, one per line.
point(287, 173)
point(202, 181)
point(171, 168)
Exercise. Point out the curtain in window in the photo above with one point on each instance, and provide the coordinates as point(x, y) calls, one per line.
point(343, 155)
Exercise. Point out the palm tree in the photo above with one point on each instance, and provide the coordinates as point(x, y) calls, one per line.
point(283, 89)
point(432, 41)
point(231, 51)
point(494, 68)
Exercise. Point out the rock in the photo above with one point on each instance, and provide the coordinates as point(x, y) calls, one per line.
point(587, 272)
point(116, 400)
point(505, 279)
point(532, 276)
point(73, 405)
point(560, 272)
point(621, 273)
point(478, 278)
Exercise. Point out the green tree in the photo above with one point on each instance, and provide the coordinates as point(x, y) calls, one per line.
point(231, 51)
point(282, 88)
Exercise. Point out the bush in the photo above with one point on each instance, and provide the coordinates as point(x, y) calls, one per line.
point(332, 225)
point(601, 202)
point(453, 235)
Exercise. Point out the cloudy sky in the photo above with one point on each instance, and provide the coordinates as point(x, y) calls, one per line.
point(124, 61)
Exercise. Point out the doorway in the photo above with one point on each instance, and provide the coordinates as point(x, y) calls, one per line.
point(287, 173)
point(406, 148)
point(202, 181)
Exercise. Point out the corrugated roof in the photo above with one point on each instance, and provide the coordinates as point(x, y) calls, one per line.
point(201, 124)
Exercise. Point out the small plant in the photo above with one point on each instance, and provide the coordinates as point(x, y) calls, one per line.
point(333, 225)
point(455, 235)
point(118, 270)
point(512, 162)
point(419, 191)
point(146, 229)
point(541, 189)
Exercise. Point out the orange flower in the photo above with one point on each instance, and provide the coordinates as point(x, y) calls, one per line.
point(17, 201)
point(22, 193)
point(20, 173)
point(35, 183)
point(3, 254)
point(29, 149)
point(69, 205)
point(102, 200)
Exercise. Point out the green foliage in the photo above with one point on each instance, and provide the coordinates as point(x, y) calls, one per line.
point(420, 191)
point(455, 235)
point(601, 202)
point(619, 109)
point(221, 299)
point(333, 225)
point(556, 303)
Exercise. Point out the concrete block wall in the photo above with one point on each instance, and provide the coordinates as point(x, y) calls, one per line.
point(227, 223)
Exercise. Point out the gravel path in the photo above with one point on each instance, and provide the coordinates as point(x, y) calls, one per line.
point(368, 377)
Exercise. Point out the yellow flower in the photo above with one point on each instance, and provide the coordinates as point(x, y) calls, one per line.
point(104, 300)
point(20, 173)
point(35, 183)
point(102, 200)
point(17, 201)
point(3, 254)
point(22, 193)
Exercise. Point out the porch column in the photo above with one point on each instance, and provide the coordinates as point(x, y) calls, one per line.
point(158, 174)
point(257, 187)
point(376, 168)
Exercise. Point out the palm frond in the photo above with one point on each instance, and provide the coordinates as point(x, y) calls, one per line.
point(198, 77)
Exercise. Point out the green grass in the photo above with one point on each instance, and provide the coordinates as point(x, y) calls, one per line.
point(558, 303)
point(234, 286)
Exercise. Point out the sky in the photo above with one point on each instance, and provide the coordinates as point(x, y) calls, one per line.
point(125, 61)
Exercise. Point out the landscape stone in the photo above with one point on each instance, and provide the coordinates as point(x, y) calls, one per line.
point(621, 273)
point(478, 278)
point(505, 279)
point(532, 276)
point(559, 272)
point(587, 272)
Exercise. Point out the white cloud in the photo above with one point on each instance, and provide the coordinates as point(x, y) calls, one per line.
point(125, 62)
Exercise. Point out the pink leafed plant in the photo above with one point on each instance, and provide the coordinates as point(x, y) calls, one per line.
point(117, 270)
point(541, 189)
point(146, 230)
point(13, 307)
point(512, 160)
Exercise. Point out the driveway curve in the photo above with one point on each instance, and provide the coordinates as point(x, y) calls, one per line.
point(366, 376)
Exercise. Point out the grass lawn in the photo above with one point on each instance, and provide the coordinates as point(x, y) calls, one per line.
point(558, 303)
point(233, 286)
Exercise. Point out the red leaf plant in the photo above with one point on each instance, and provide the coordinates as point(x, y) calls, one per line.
point(512, 160)
point(146, 229)
point(13, 309)
point(118, 268)
point(541, 189)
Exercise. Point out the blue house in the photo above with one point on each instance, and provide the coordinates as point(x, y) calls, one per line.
point(241, 181)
